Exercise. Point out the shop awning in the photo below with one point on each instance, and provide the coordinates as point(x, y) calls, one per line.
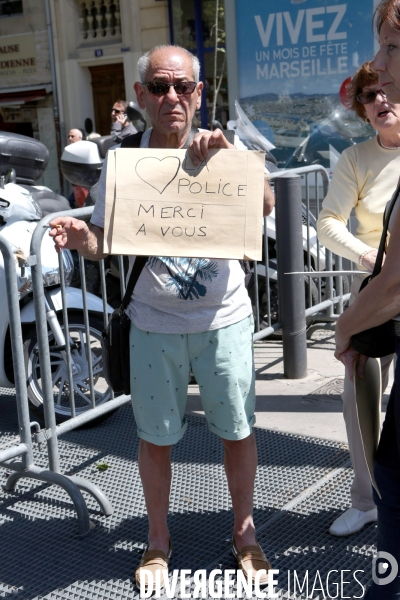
point(11, 98)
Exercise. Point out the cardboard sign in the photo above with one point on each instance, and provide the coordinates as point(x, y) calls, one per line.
point(159, 204)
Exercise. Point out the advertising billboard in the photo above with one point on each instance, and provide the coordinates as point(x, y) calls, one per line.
point(293, 58)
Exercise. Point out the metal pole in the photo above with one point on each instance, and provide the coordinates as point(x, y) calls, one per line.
point(44, 352)
point(289, 239)
point(17, 355)
point(171, 22)
point(54, 86)
point(198, 11)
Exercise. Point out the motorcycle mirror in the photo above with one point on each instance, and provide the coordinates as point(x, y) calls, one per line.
point(217, 125)
point(88, 125)
point(271, 166)
point(10, 176)
point(249, 133)
point(134, 113)
point(270, 158)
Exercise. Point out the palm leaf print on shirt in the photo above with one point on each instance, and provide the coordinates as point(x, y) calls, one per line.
point(187, 274)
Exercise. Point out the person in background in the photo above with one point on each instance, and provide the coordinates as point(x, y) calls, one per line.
point(77, 198)
point(75, 135)
point(92, 136)
point(121, 127)
point(364, 180)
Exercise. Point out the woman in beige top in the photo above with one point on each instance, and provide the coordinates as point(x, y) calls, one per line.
point(364, 179)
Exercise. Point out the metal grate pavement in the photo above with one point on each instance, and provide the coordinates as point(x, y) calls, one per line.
point(302, 485)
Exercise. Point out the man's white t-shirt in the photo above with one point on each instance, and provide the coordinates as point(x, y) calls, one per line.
point(183, 295)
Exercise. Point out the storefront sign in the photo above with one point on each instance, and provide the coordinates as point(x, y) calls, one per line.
point(17, 55)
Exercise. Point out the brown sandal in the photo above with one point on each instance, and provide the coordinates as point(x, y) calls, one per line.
point(251, 558)
point(153, 561)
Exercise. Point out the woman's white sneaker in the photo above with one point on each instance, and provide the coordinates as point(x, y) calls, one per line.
point(352, 521)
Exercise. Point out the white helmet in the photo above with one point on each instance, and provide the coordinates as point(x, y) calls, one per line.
point(17, 204)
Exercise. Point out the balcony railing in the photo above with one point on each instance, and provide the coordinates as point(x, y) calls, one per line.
point(100, 20)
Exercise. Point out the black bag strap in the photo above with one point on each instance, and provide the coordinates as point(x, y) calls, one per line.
point(382, 243)
point(133, 141)
point(137, 268)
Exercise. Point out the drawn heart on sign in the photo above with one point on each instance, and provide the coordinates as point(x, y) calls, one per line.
point(166, 169)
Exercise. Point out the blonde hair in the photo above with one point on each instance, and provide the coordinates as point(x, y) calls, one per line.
point(365, 75)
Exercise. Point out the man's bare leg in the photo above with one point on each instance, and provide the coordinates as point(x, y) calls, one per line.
point(240, 469)
point(155, 472)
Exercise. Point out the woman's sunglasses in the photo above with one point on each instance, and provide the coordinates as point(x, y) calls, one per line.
point(368, 97)
point(161, 88)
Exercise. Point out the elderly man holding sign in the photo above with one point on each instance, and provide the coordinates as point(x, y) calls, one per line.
point(186, 313)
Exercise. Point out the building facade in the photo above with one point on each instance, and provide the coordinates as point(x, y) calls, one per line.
point(26, 98)
point(98, 44)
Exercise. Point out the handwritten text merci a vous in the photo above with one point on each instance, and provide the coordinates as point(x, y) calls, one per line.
point(171, 212)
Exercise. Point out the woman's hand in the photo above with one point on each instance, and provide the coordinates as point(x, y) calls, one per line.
point(342, 339)
point(352, 360)
point(368, 260)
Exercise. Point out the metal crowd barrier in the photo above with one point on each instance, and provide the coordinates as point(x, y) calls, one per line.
point(293, 317)
point(51, 431)
point(26, 467)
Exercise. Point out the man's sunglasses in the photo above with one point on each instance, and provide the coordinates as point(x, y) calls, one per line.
point(116, 111)
point(161, 88)
point(368, 97)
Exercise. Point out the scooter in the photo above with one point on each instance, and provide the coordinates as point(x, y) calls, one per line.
point(19, 215)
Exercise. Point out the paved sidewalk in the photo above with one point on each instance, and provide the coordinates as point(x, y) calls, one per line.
point(302, 484)
point(310, 406)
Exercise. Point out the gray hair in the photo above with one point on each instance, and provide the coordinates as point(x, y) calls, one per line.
point(144, 61)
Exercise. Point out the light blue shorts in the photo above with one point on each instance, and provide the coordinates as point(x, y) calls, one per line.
point(222, 362)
